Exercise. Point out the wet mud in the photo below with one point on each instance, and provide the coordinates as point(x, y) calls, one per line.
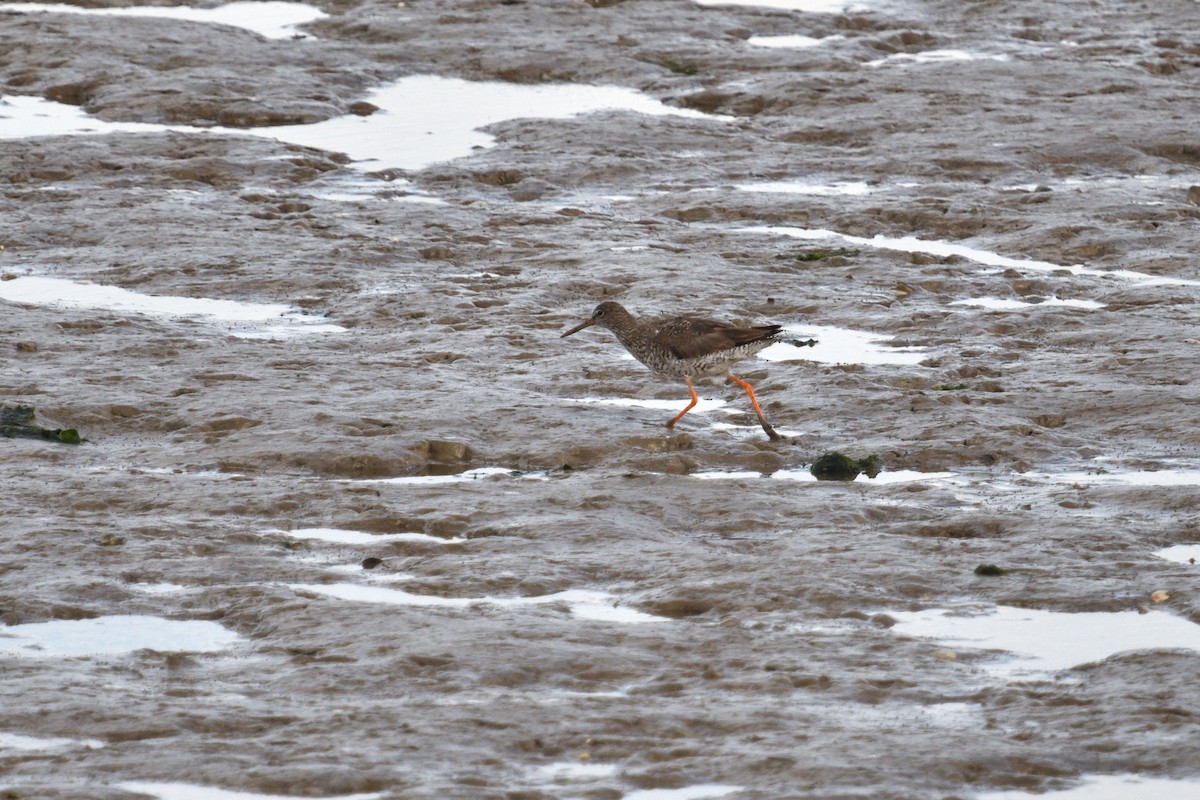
point(735, 627)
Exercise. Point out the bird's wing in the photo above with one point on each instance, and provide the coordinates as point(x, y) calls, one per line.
point(690, 337)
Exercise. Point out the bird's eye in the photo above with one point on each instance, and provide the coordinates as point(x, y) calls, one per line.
point(599, 312)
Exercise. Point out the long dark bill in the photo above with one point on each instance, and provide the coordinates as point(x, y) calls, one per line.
point(585, 324)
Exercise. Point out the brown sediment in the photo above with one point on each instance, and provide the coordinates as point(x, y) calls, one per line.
point(199, 442)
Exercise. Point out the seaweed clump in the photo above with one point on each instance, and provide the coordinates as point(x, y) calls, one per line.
point(16, 422)
point(835, 466)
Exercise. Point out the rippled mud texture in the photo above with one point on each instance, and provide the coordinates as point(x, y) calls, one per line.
point(748, 642)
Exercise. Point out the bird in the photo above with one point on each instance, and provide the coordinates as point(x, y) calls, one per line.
point(686, 348)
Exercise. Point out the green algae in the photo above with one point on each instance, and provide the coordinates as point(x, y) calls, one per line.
point(15, 422)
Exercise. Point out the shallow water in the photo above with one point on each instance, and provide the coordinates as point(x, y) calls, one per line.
point(913, 244)
point(589, 605)
point(186, 791)
point(113, 635)
point(842, 346)
point(270, 18)
point(1040, 643)
point(809, 6)
point(241, 319)
point(1010, 304)
point(13, 741)
point(1108, 787)
point(452, 113)
point(338, 536)
point(791, 41)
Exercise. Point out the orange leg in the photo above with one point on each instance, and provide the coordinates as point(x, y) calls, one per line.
point(766, 426)
point(695, 399)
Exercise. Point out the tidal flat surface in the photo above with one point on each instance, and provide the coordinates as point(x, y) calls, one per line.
point(351, 520)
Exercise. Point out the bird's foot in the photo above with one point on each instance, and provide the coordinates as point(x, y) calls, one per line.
point(772, 434)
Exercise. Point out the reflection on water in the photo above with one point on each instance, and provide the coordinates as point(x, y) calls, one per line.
point(113, 635)
point(272, 19)
point(240, 319)
point(1041, 642)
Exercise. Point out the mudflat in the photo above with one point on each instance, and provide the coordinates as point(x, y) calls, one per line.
point(440, 552)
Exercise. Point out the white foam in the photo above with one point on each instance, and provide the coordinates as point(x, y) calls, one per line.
point(339, 536)
point(241, 319)
point(584, 604)
point(1041, 642)
point(842, 346)
point(189, 791)
point(271, 19)
point(1182, 553)
point(1108, 787)
point(791, 42)
point(835, 189)
point(1012, 304)
point(16, 741)
point(114, 635)
point(933, 247)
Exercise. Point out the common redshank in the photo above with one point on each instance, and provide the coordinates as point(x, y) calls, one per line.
point(686, 348)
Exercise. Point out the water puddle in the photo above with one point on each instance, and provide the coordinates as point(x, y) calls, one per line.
point(843, 346)
point(114, 635)
point(834, 346)
point(803, 475)
point(911, 244)
point(809, 6)
point(469, 476)
point(753, 432)
point(698, 791)
point(206, 474)
point(19, 742)
point(270, 18)
point(791, 42)
point(1180, 553)
point(933, 57)
point(703, 407)
point(1108, 787)
point(810, 188)
point(1011, 304)
point(1146, 190)
point(898, 476)
point(239, 319)
point(1162, 477)
point(158, 588)
point(339, 536)
point(26, 116)
point(591, 605)
point(1040, 643)
point(452, 111)
point(190, 791)
point(573, 771)
point(360, 190)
